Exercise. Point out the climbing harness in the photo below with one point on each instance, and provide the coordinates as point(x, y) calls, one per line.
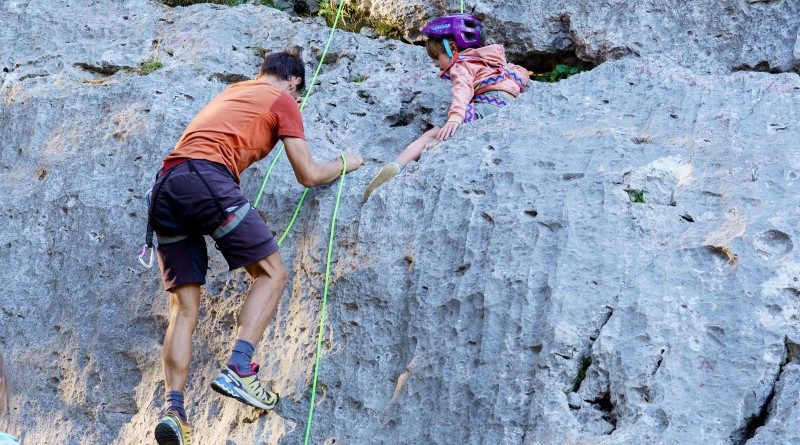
point(150, 199)
point(228, 220)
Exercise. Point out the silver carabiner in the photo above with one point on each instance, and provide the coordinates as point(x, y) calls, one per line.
point(142, 255)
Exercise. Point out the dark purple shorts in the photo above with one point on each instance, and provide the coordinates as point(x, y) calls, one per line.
point(184, 209)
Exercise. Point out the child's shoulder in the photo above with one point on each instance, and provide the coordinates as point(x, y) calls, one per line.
point(492, 55)
point(494, 47)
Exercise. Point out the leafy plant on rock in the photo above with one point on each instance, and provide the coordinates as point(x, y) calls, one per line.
point(560, 72)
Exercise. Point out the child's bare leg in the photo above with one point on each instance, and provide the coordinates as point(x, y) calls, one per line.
point(413, 151)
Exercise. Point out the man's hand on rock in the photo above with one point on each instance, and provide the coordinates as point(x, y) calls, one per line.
point(354, 161)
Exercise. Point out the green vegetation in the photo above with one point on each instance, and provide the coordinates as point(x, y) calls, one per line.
point(391, 30)
point(359, 79)
point(560, 72)
point(636, 196)
point(585, 363)
point(146, 68)
point(355, 17)
point(150, 66)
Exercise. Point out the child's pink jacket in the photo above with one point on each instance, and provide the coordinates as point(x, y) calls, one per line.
point(476, 71)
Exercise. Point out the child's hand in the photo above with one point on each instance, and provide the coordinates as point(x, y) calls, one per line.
point(448, 130)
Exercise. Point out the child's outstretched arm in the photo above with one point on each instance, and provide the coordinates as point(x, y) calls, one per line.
point(463, 91)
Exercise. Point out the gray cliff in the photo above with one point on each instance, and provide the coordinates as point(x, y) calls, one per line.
point(509, 288)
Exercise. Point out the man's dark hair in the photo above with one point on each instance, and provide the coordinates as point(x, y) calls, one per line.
point(284, 65)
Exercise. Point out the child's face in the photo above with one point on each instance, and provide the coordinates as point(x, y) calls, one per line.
point(441, 61)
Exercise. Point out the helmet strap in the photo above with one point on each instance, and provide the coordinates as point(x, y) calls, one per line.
point(446, 44)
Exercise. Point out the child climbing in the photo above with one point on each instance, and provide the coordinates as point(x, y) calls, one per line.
point(483, 82)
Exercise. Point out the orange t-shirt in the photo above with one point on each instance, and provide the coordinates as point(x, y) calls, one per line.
point(240, 126)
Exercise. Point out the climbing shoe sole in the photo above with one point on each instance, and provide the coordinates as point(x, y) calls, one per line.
point(167, 434)
point(229, 385)
point(386, 173)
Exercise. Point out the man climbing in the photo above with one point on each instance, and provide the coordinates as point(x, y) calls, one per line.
point(197, 193)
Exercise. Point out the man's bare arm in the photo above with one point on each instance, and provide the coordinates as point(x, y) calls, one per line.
point(310, 173)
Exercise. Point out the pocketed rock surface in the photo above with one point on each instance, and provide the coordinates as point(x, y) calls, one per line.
point(608, 260)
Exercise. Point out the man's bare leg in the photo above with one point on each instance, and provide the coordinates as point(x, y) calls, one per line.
point(269, 279)
point(238, 379)
point(184, 306)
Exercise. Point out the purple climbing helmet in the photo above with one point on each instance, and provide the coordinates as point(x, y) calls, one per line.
point(464, 29)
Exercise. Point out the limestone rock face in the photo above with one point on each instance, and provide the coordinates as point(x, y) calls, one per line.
point(707, 36)
point(610, 259)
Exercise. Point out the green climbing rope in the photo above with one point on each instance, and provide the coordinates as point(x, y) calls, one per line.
point(294, 216)
point(302, 106)
point(297, 212)
point(324, 303)
point(462, 6)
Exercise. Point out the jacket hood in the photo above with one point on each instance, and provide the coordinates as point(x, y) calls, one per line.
point(493, 54)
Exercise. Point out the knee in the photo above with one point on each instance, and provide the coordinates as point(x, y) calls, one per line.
point(188, 312)
point(274, 271)
point(185, 304)
point(281, 275)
